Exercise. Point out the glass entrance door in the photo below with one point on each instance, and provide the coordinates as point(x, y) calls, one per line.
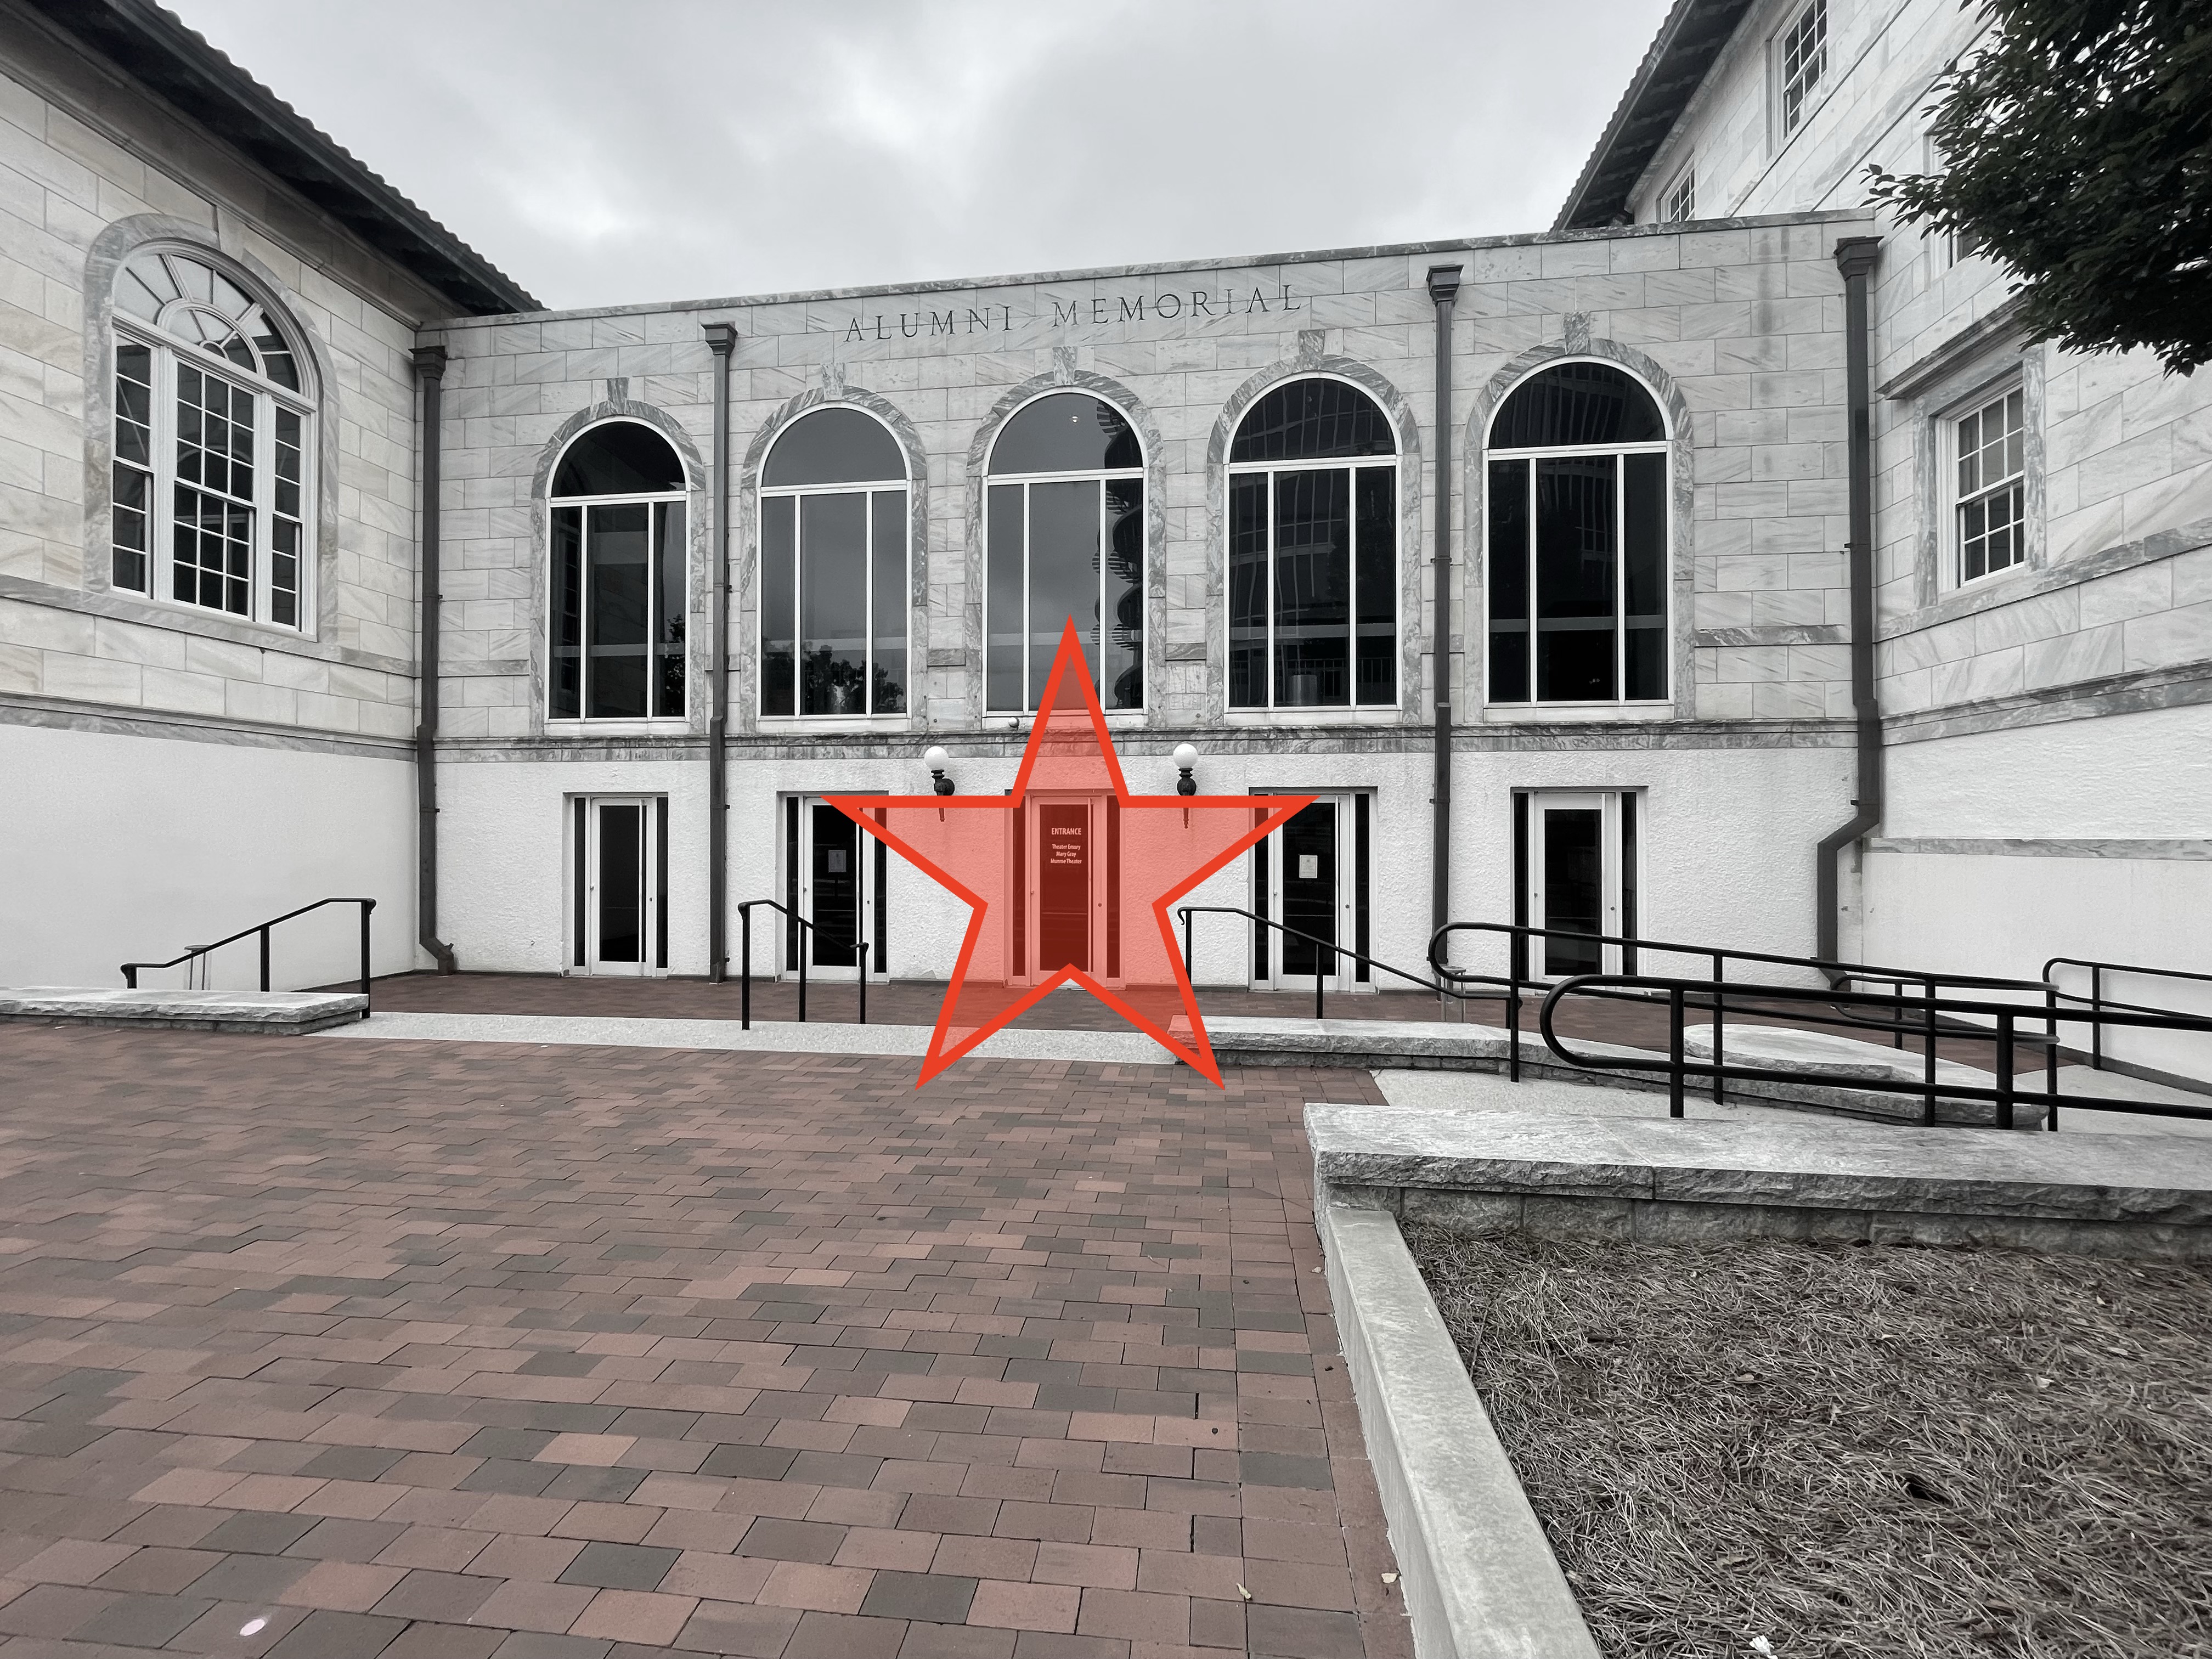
point(829, 886)
point(1574, 854)
point(619, 845)
point(1310, 875)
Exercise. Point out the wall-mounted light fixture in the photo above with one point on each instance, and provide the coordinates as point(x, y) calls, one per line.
point(936, 760)
point(1186, 756)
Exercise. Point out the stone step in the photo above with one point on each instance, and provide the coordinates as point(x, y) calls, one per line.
point(273, 1013)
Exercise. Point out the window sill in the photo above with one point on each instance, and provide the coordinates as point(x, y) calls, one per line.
point(1386, 713)
point(830, 726)
point(1557, 714)
point(677, 726)
point(1116, 719)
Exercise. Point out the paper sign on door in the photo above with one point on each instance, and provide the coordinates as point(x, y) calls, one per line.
point(1308, 866)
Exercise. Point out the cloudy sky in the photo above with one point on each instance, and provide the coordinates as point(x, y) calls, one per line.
point(604, 151)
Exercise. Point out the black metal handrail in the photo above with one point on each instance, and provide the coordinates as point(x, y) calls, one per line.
point(1187, 911)
point(859, 948)
point(1714, 990)
point(1995, 1022)
point(199, 953)
point(2096, 997)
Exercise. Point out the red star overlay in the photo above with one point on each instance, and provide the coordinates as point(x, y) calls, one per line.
point(1070, 879)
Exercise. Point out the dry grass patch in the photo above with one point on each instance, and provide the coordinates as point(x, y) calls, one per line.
point(1822, 1450)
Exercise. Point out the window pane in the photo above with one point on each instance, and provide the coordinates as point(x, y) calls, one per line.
point(833, 604)
point(1003, 649)
point(834, 446)
point(1508, 575)
point(1576, 404)
point(213, 543)
point(887, 590)
point(1575, 555)
point(1068, 432)
point(1643, 574)
point(1312, 420)
point(778, 587)
point(622, 884)
point(1375, 498)
point(284, 572)
point(1121, 678)
point(1248, 591)
point(1313, 589)
point(287, 460)
point(567, 666)
point(134, 404)
point(669, 618)
point(1063, 573)
point(215, 434)
point(616, 612)
point(1574, 888)
point(622, 458)
point(132, 490)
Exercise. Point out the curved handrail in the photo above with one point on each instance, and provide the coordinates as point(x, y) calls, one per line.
point(2005, 1092)
point(2096, 1001)
point(1187, 911)
point(859, 948)
point(131, 968)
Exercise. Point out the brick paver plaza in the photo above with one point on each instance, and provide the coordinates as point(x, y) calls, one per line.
point(321, 1348)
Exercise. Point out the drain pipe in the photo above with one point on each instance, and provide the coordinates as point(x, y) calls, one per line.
point(430, 369)
point(1444, 288)
point(721, 340)
point(1856, 258)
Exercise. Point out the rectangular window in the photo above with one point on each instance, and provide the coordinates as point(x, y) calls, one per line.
point(1801, 59)
point(1992, 497)
point(834, 602)
point(1063, 551)
point(618, 611)
point(212, 514)
point(1578, 578)
point(1313, 602)
point(1680, 205)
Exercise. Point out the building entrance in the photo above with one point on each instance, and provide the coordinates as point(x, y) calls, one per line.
point(1068, 854)
point(1577, 850)
point(835, 878)
point(1311, 875)
point(619, 852)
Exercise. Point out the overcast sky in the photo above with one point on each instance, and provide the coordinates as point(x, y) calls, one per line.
point(624, 150)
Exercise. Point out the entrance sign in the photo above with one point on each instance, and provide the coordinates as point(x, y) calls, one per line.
point(1164, 846)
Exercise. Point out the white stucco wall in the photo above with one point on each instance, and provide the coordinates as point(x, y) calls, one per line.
point(124, 847)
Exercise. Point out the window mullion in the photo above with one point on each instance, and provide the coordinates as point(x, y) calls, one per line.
point(1621, 578)
point(1528, 554)
point(1028, 549)
point(1270, 478)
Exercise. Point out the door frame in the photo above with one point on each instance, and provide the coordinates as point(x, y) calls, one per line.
point(796, 853)
point(581, 884)
point(1621, 873)
point(1355, 829)
point(1102, 858)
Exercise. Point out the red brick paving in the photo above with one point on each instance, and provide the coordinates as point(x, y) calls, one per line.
point(481, 1351)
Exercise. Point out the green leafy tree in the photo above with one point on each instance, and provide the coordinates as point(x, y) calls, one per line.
point(2076, 143)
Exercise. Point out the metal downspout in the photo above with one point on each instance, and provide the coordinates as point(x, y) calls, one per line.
point(430, 369)
point(1855, 256)
point(1443, 287)
point(721, 339)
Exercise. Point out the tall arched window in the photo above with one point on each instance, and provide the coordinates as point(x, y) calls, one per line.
point(834, 568)
point(1064, 538)
point(618, 576)
point(1313, 551)
point(1578, 564)
point(213, 427)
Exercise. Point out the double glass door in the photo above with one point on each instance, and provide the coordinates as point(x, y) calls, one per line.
point(619, 845)
point(834, 876)
point(1310, 876)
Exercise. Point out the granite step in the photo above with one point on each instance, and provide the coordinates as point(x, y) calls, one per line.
point(271, 1013)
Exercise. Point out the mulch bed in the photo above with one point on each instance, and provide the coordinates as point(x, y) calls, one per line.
point(1822, 1450)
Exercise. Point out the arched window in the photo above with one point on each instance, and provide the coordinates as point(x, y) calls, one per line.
point(1065, 539)
point(618, 576)
point(1313, 551)
point(834, 568)
point(213, 451)
point(1577, 566)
